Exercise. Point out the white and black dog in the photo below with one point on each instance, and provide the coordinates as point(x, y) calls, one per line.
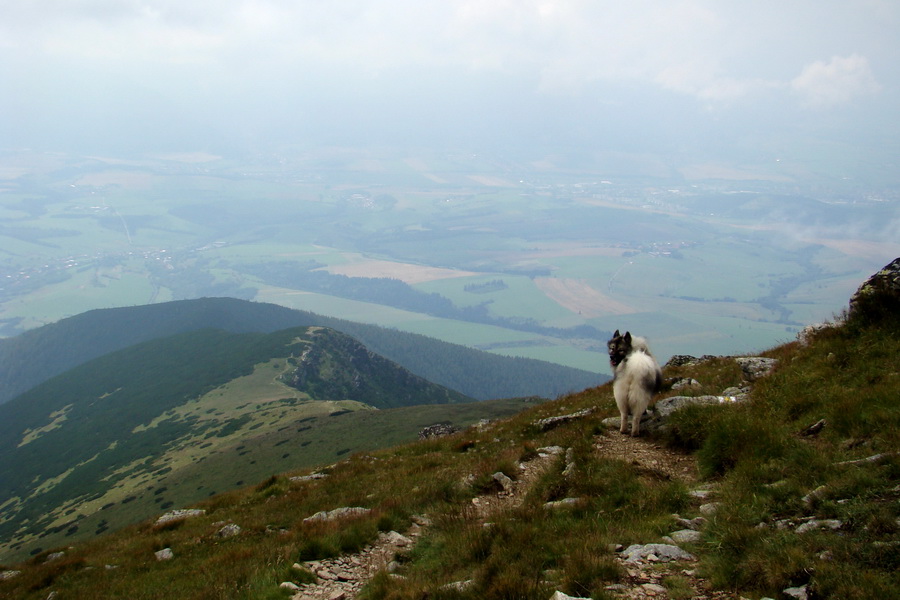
point(637, 377)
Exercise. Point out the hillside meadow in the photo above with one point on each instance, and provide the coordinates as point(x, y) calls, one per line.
point(812, 508)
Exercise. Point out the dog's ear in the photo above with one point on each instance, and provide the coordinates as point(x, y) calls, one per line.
point(616, 334)
point(628, 336)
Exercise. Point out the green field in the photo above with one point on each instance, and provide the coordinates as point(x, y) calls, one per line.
point(687, 269)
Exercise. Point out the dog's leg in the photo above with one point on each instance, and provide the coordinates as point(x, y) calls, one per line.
point(636, 424)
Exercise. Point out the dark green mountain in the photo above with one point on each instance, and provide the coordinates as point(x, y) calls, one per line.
point(36, 355)
point(100, 432)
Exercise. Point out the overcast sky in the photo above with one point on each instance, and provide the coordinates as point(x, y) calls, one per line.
point(742, 78)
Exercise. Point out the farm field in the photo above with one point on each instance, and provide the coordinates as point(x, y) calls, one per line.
point(521, 259)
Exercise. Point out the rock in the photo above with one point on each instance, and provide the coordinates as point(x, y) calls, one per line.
point(9, 574)
point(685, 382)
point(800, 593)
point(682, 360)
point(54, 557)
point(179, 515)
point(310, 477)
point(437, 430)
point(337, 595)
point(814, 495)
point(685, 536)
point(884, 282)
point(561, 503)
point(505, 482)
point(694, 524)
point(659, 552)
point(227, 531)
point(560, 596)
point(289, 586)
point(815, 428)
point(709, 509)
point(338, 513)
point(819, 524)
point(551, 450)
point(868, 459)
point(164, 554)
point(808, 333)
point(755, 367)
point(551, 422)
point(459, 586)
point(396, 539)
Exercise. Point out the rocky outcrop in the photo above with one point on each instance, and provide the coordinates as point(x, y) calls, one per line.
point(885, 282)
point(338, 513)
point(179, 515)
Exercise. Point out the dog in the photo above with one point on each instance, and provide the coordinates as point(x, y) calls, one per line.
point(636, 377)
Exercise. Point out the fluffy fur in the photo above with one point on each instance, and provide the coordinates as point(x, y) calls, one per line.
point(637, 377)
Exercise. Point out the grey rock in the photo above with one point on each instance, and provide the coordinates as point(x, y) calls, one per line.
point(396, 539)
point(54, 557)
point(9, 574)
point(819, 524)
point(561, 503)
point(709, 509)
point(289, 586)
point(164, 554)
point(561, 596)
point(310, 477)
point(662, 553)
point(338, 513)
point(800, 593)
point(685, 536)
point(178, 515)
point(885, 281)
point(227, 531)
point(437, 430)
point(685, 382)
point(808, 333)
point(755, 367)
point(551, 422)
point(505, 482)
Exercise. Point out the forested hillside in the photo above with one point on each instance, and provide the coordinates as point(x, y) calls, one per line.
point(34, 356)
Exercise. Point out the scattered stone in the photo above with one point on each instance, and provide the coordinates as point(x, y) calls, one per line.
point(658, 552)
point(227, 531)
point(459, 586)
point(9, 574)
point(164, 554)
point(561, 503)
point(814, 429)
point(396, 539)
point(700, 494)
point(289, 586)
point(815, 494)
point(437, 430)
point(550, 451)
point(178, 515)
point(819, 524)
point(694, 524)
point(709, 509)
point(868, 459)
point(310, 477)
point(337, 595)
point(54, 557)
point(685, 536)
point(682, 360)
point(755, 367)
point(338, 513)
point(685, 382)
point(800, 593)
point(505, 482)
point(808, 333)
point(551, 422)
point(561, 596)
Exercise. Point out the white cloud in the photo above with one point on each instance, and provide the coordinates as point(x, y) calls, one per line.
point(836, 82)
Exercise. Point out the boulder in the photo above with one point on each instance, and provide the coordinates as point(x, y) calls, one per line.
point(551, 422)
point(655, 552)
point(755, 367)
point(338, 513)
point(164, 554)
point(178, 515)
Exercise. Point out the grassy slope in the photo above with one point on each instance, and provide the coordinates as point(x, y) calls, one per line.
point(753, 451)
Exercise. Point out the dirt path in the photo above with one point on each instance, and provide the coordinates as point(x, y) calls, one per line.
point(653, 577)
point(342, 578)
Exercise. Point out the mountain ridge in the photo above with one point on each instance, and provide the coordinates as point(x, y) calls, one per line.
point(35, 355)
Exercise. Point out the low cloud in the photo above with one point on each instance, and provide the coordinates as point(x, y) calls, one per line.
point(836, 82)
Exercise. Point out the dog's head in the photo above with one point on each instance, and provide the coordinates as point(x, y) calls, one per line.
point(619, 348)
